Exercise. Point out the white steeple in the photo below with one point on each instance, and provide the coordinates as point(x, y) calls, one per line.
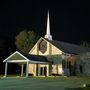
point(48, 36)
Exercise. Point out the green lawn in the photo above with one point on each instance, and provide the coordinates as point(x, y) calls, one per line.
point(42, 83)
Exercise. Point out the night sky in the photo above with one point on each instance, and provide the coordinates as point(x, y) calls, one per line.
point(70, 20)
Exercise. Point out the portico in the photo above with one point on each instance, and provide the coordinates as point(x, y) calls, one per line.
point(20, 59)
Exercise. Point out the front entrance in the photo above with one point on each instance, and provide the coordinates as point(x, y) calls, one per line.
point(43, 71)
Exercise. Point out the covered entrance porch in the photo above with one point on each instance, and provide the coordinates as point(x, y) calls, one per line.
point(23, 60)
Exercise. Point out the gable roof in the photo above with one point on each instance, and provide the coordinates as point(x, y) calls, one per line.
point(66, 47)
point(16, 56)
point(36, 43)
point(69, 48)
point(21, 57)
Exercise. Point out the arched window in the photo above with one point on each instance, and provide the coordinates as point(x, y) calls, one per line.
point(43, 46)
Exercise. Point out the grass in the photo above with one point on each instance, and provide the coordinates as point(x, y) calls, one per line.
point(44, 83)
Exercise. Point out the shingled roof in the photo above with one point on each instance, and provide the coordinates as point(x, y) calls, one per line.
point(37, 58)
point(69, 48)
point(21, 57)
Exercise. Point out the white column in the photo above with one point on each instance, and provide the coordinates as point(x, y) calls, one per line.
point(27, 68)
point(38, 69)
point(6, 64)
point(47, 69)
point(22, 70)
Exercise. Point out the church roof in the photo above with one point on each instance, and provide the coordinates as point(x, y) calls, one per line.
point(24, 57)
point(63, 46)
point(69, 48)
point(37, 58)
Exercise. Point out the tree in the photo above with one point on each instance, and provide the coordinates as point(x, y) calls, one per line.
point(25, 40)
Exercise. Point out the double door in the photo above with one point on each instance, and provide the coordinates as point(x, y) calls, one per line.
point(43, 71)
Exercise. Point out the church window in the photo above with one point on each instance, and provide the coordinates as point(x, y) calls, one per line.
point(43, 46)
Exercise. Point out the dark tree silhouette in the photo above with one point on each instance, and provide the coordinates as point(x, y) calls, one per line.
point(25, 40)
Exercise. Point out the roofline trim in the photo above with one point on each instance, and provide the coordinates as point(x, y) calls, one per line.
point(36, 43)
point(14, 54)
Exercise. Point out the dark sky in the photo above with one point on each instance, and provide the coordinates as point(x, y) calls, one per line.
point(70, 20)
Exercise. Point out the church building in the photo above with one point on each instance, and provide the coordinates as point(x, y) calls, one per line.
point(50, 57)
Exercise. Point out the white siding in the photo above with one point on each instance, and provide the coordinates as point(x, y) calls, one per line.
point(51, 50)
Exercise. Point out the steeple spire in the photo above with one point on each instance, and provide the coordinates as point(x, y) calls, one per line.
point(48, 36)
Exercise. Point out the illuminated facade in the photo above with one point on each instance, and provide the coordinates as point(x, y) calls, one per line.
point(50, 57)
